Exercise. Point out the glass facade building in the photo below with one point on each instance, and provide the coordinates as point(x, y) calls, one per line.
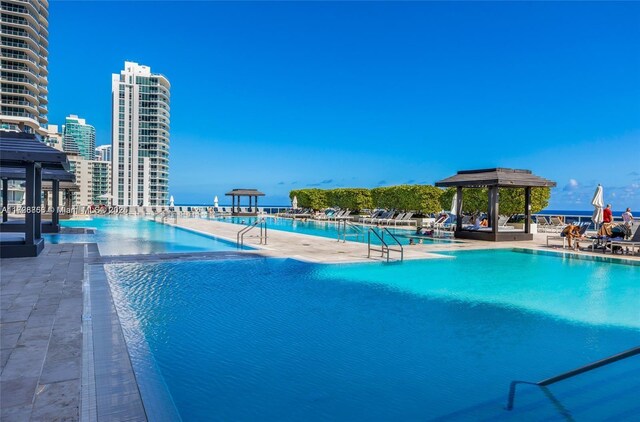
point(79, 138)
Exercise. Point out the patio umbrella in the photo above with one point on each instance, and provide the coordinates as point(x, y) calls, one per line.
point(598, 204)
point(294, 203)
point(171, 201)
point(215, 201)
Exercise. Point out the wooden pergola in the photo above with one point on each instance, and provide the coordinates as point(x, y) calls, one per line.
point(493, 179)
point(253, 195)
point(25, 151)
point(54, 181)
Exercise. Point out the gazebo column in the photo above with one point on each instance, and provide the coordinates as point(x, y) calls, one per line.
point(5, 200)
point(459, 208)
point(37, 234)
point(55, 216)
point(256, 203)
point(527, 210)
point(29, 199)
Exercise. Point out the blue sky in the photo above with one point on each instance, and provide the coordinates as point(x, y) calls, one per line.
point(284, 95)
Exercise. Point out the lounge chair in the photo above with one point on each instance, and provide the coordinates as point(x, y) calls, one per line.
point(345, 216)
point(382, 217)
point(329, 212)
point(556, 224)
point(561, 236)
point(407, 219)
point(371, 216)
point(388, 221)
point(542, 222)
point(632, 243)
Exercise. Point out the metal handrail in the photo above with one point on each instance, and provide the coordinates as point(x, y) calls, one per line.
point(262, 222)
point(342, 230)
point(384, 246)
point(569, 374)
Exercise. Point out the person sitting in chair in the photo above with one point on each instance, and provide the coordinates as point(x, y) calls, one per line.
point(572, 232)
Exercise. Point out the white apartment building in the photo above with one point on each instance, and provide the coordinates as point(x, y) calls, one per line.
point(140, 137)
point(103, 153)
point(23, 73)
point(93, 177)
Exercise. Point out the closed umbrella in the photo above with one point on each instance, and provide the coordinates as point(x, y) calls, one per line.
point(215, 201)
point(598, 204)
point(294, 203)
point(171, 201)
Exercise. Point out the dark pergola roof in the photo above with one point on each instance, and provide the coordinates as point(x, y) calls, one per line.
point(500, 177)
point(64, 185)
point(244, 192)
point(17, 148)
point(17, 173)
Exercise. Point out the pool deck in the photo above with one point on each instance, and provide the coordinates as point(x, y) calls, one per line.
point(41, 301)
point(63, 354)
point(318, 249)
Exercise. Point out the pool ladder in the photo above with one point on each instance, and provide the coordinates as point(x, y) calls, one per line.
point(261, 223)
point(344, 227)
point(166, 215)
point(569, 374)
point(385, 249)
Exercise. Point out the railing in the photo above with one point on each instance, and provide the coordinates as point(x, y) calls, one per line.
point(384, 247)
point(569, 374)
point(262, 223)
point(343, 230)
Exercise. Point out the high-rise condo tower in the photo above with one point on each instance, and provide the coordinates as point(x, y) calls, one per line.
point(23, 77)
point(140, 137)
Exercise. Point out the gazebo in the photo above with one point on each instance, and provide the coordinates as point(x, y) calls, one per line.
point(493, 179)
point(252, 210)
point(25, 151)
point(53, 181)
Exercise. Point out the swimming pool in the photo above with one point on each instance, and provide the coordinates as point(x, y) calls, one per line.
point(276, 339)
point(328, 229)
point(122, 235)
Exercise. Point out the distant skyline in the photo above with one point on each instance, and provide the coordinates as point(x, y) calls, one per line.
point(286, 95)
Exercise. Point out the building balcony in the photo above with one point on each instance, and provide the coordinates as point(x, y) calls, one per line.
point(20, 69)
point(23, 47)
point(29, 95)
point(21, 35)
point(22, 23)
point(18, 81)
point(19, 102)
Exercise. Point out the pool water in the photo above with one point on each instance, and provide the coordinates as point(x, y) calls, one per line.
point(124, 235)
point(282, 340)
point(330, 229)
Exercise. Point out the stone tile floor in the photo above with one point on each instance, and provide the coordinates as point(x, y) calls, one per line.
point(41, 338)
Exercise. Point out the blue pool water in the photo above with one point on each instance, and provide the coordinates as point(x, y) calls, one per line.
point(124, 235)
point(273, 339)
point(328, 229)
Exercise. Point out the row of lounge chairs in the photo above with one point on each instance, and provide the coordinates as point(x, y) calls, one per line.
point(553, 224)
point(382, 217)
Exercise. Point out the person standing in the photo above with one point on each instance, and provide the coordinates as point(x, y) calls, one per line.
point(627, 217)
point(607, 215)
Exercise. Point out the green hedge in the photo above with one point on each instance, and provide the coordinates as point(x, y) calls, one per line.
point(310, 198)
point(417, 198)
point(511, 200)
point(351, 198)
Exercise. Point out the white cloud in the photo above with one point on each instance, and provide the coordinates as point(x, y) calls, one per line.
point(572, 185)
